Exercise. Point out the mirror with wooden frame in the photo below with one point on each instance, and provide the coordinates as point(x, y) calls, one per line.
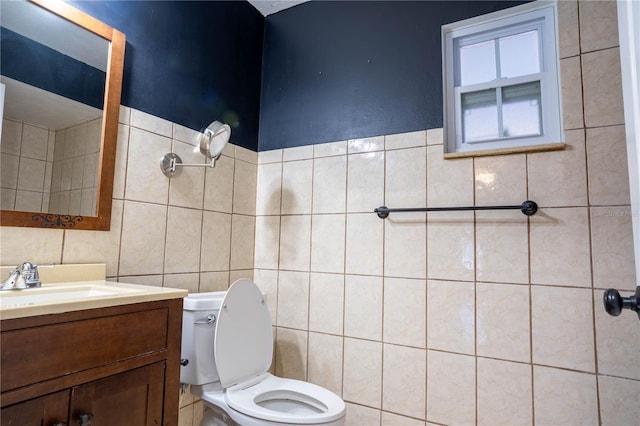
point(62, 79)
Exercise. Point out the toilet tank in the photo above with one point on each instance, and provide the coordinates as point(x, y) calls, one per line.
point(199, 315)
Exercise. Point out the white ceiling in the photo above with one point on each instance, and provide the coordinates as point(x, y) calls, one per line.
point(267, 7)
point(44, 109)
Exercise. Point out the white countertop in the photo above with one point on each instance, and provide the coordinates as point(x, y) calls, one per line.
point(57, 295)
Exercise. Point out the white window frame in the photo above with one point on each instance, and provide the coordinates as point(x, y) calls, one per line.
point(539, 15)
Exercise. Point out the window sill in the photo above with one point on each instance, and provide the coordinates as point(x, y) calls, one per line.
point(506, 151)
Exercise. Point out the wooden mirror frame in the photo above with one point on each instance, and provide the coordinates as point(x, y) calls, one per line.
point(109, 137)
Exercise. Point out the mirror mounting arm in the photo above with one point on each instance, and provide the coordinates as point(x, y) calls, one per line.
point(211, 141)
point(170, 163)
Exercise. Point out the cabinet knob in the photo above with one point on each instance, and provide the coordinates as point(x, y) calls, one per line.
point(85, 419)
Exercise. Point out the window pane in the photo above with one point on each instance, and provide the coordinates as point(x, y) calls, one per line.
point(519, 54)
point(521, 110)
point(479, 116)
point(477, 63)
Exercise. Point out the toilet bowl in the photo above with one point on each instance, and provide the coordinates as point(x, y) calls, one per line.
point(227, 349)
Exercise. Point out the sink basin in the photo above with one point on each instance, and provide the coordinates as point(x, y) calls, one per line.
point(67, 296)
point(55, 294)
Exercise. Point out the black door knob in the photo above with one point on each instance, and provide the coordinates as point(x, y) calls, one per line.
point(614, 303)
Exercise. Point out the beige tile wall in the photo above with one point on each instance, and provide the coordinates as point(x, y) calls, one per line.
point(193, 231)
point(49, 170)
point(75, 167)
point(462, 318)
point(26, 165)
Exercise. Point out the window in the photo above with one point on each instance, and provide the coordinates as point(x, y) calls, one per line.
point(501, 82)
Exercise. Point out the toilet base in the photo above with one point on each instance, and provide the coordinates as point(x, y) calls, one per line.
point(215, 416)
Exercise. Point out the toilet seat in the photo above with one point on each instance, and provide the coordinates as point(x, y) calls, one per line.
point(243, 346)
point(243, 350)
point(285, 401)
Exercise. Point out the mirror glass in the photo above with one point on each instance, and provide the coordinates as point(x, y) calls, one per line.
point(59, 128)
point(214, 138)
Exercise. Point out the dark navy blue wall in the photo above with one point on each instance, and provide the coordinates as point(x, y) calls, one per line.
point(337, 70)
point(190, 62)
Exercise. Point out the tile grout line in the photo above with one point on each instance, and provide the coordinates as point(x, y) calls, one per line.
point(124, 196)
point(475, 287)
point(344, 268)
point(589, 221)
point(384, 280)
point(426, 281)
point(530, 296)
point(308, 266)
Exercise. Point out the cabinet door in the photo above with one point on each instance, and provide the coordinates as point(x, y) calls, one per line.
point(132, 398)
point(47, 410)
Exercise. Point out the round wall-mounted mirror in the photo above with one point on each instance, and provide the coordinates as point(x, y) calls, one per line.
point(214, 138)
point(212, 142)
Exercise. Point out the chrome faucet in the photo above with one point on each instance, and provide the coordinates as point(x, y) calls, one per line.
point(22, 277)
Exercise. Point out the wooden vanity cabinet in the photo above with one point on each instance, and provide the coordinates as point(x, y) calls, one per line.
point(108, 366)
point(47, 410)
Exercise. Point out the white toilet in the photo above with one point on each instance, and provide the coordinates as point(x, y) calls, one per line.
point(227, 348)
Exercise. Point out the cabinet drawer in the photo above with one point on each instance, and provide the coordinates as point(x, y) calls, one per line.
point(32, 355)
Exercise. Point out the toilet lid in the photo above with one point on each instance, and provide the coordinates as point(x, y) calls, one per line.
point(243, 345)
